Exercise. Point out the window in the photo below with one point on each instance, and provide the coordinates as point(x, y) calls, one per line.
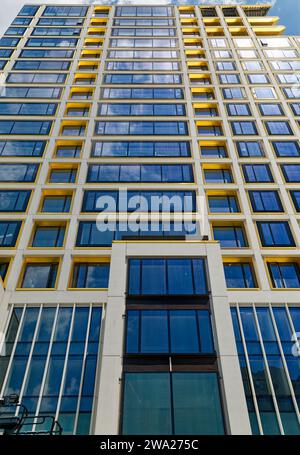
point(222, 54)
point(284, 274)
point(286, 149)
point(141, 109)
point(225, 66)
point(296, 199)
point(157, 201)
point(28, 10)
point(71, 11)
point(279, 128)
point(90, 275)
point(265, 201)
point(140, 148)
point(291, 93)
point(258, 79)
point(247, 54)
point(218, 42)
point(295, 108)
point(243, 42)
point(142, 66)
point(2, 64)
point(32, 109)
point(21, 21)
point(230, 236)
point(143, 32)
point(3, 270)
point(259, 173)
point(275, 42)
point(30, 92)
point(73, 130)
point(48, 236)
point(17, 31)
point(264, 93)
point(229, 79)
point(9, 231)
point(286, 65)
point(41, 65)
point(147, 42)
point(56, 204)
point(248, 149)
point(60, 21)
point(275, 234)
point(13, 200)
point(153, 406)
point(140, 173)
point(223, 204)
point(69, 374)
point(39, 275)
point(22, 148)
point(51, 42)
point(46, 54)
point(143, 54)
point(233, 93)
point(213, 151)
point(142, 78)
point(239, 275)
point(62, 175)
point(270, 109)
point(23, 127)
point(288, 78)
point(5, 53)
point(218, 176)
point(68, 151)
point(47, 31)
point(291, 172)
point(141, 128)
point(144, 11)
point(252, 65)
point(169, 331)
point(90, 236)
point(9, 42)
point(142, 93)
point(38, 78)
point(18, 172)
point(170, 276)
point(244, 128)
point(238, 109)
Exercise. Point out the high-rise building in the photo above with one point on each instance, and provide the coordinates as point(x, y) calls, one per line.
point(158, 325)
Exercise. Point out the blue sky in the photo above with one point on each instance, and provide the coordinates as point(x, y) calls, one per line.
point(288, 10)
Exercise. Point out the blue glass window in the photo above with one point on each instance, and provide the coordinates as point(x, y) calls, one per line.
point(56, 204)
point(51, 31)
point(15, 31)
point(275, 233)
point(291, 172)
point(213, 151)
point(9, 231)
point(286, 148)
point(296, 199)
point(23, 127)
point(48, 237)
point(223, 204)
point(89, 235)
point(159, 201)
point(142, 93)
point(31, 109)
point(249, 148)
point(257, 173)
point(142, 66)
point(140, 173)
point(13, 200)
point(62, 175)
point(60, 21)
point(46, 53)
point(233, 93)
point(146, 42)
point(77, 365)
point(90, 275)
point(153, 406)
point(36, 78)
point(141, 148)
point(2, 64)
point(244, 128)
point(141, 109)
point(28, 10)
point(18, 172)
point(167, 276)
point(70, 11)
point(21, 21)
point(230, 236)
point(50, 42)
point(218, 176)
point(39, 275)
point(296, 108)
point(270, 109)
point(5, 53)
point(239, 275)
point(279, 128)
point(265, 201)
point(142, 78)
point(229, 79)
point(143, 54)
point(30, 92)
point(9, 42)
point(169, 332)
point(143, 32)
point(284, 274)
point(141, 128)
point(238, 109)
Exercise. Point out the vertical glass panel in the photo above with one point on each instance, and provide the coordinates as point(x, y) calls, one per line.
point(184, 332)
point(147, 404)
point(154, 331)
point(197, 406)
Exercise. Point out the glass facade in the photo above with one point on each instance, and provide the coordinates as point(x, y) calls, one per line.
point(112, 113)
